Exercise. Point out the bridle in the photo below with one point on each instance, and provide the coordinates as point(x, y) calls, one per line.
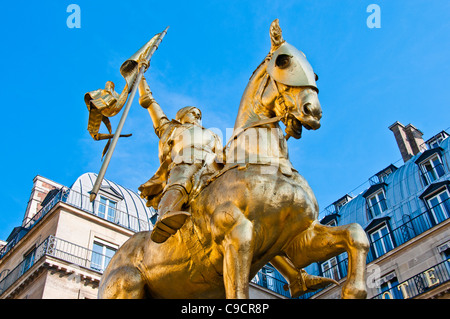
point(281, 102)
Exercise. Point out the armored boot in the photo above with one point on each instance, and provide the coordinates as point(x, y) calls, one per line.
point(305, 282)
point(171, 218)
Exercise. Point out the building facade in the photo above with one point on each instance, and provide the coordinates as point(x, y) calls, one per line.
point(65, 241)
point(405, 212)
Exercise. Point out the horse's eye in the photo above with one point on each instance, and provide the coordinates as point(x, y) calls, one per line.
point(283, 61)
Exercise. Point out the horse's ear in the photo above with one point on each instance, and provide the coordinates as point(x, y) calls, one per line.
point(276, 37)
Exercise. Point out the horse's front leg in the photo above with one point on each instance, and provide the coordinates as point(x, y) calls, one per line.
point(234, 232)
point(319, 243)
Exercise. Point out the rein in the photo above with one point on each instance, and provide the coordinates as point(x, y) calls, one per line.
point(256, 124)
point(281, 101)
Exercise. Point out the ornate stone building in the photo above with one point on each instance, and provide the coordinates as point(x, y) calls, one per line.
point(405, 212)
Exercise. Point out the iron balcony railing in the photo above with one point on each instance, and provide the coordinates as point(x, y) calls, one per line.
point(71, 253)
point(411, 227)
point(81, 202)
point(268, 278)
point(418, 284)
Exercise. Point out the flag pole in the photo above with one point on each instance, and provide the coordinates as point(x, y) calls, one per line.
point(108, 156)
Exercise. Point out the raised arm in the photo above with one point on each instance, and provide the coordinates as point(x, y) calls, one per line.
point(147, 101)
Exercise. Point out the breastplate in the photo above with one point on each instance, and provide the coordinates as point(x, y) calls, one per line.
point(192, 144)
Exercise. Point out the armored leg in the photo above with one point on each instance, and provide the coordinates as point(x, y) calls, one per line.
point(171, 217)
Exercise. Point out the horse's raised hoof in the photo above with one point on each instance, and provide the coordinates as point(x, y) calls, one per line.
point(315, 282)
point(167, 225)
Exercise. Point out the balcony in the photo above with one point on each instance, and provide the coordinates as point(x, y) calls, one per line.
point(70, 253)
point(419, 284)
point(83, 203)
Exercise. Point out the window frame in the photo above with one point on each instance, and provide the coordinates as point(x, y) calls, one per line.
point(381, 239)
point(103, 254)
point(107, 208)
point(443, 205)
point(332, 271)
point(28, 260)
point(431, 175)
point(388, 288)
point(377, 204)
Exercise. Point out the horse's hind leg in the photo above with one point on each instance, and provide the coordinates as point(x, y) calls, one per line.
point(122, 283)
point(319, 243)
point(234, 232)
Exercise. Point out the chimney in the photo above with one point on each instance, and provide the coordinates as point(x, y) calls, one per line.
point(409, 140)
point(41, 187)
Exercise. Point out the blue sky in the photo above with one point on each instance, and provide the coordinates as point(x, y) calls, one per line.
point(368, 79)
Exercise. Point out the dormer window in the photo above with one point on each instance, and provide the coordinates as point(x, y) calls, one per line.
point(440, 206)
point(107, 208)
point(431, 166)
point(377, 204)
point(375, 200)
point(436, 140)
point(341, 202)
point(382, 175)
point(437, 200)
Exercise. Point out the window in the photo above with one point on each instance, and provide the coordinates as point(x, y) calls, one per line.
point(340, 205)
point(101, 255)
point(436, 143)
point(268, 280)
point(440, 206)
point(389, 289)
point(444, 251)
point(432, 169)
point(382, 241)
point(330, 269)
point(436, 140)
point(377, 204)
point(107, 208)
point(384, 175)
point(28, 261)
point(341, 202)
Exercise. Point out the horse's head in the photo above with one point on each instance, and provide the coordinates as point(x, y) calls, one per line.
point(289, 89)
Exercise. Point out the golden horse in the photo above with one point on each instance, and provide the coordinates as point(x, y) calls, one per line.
point(257, 210)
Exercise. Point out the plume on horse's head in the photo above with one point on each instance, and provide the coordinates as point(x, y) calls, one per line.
point(287, 64)
point(276, 36)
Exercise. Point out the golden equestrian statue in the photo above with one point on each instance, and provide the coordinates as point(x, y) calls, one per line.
point(254, 209)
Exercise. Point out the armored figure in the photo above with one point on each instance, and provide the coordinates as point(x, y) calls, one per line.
point(186, 150)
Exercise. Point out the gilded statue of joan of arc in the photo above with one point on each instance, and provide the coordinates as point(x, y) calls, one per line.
point(185, 149)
